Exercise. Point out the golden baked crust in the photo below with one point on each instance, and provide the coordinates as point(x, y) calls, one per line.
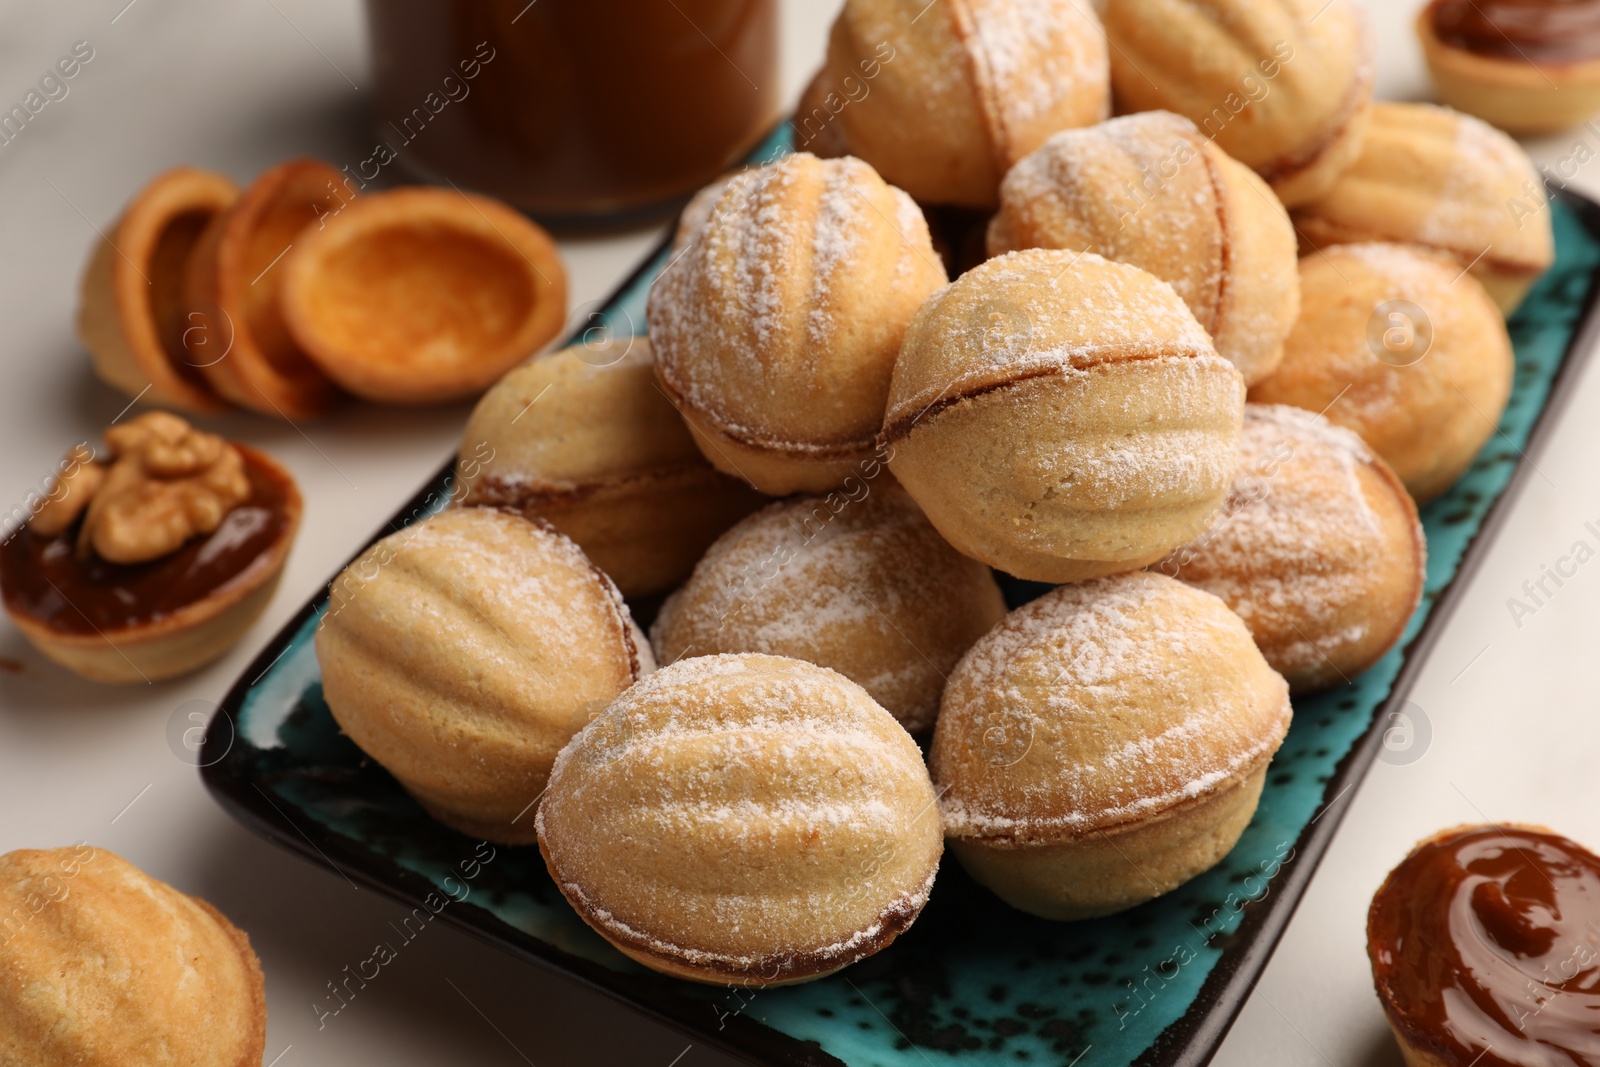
point(1434, 177)
point(1059, 416)
point(1318, 548)
point(776, 330)
point(1283, 86)
point(422, 295)
point(943, 100)
point(744, 820)
point(102, 966)
point(462, 652)
point(1131, 709)
point(1435, 395)
point(1513, 94)
point(231, 286)
point(860, 584)
point(584, 440)
point(130, 316)
point(1148, 190)
point(700, 209)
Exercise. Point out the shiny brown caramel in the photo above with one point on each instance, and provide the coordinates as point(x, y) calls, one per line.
point(1536, 31)
point(45, 579)
point(1485, 948)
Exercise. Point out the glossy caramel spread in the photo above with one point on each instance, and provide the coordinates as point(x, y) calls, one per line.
point(45, 579)
point(1537, 31)
point(1485, 947)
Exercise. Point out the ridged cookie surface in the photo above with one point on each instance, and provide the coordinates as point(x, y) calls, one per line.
point(463, 651)
point(743, 819)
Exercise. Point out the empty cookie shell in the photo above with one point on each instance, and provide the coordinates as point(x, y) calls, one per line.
point(237, 334)
point(743, 820)
point(132, 317)
point(422, 295)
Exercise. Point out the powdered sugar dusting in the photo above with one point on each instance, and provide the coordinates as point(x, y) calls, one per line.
point(792, 299)
point(1041, 60)
point(1484, 164)
point(1035, 310)
point(835, 239)
point(1297, 549)
point(731, 810)
point(1137, 694)
point(865, 586)
point(1136, 189)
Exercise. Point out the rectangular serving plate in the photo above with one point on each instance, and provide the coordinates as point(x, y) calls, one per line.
point(973, 981)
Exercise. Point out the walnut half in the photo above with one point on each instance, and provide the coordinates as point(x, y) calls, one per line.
point(167, 482)
point(74, 487)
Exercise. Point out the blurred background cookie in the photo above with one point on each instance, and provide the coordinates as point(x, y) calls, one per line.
point(104, 965)
point(1149, 190)
point(955, 94)
point(1284, 88)
point(1434, 177)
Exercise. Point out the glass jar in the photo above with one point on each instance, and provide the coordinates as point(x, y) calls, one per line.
point(573, 110)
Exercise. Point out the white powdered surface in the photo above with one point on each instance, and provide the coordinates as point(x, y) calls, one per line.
point(1038, 53)
point(1129, 691)
point(813, 801)
point(1471, 200)
point(1283, 548)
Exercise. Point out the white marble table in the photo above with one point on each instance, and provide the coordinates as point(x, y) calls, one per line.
point(243, 85)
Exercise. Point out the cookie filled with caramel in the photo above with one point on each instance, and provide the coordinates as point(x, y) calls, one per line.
point(1528, 66)
point(151, 559)
point(1485, 949)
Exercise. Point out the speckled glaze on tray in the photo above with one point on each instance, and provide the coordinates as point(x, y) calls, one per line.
point(973, 982)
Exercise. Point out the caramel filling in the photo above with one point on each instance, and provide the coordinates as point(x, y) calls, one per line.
point(1485, 948)
point(1537, 31)
point(45, 579)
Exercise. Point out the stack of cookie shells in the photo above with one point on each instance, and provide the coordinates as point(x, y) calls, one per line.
point(975, 329)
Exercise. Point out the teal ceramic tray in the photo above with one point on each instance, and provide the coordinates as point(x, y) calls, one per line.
point(973, 982)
